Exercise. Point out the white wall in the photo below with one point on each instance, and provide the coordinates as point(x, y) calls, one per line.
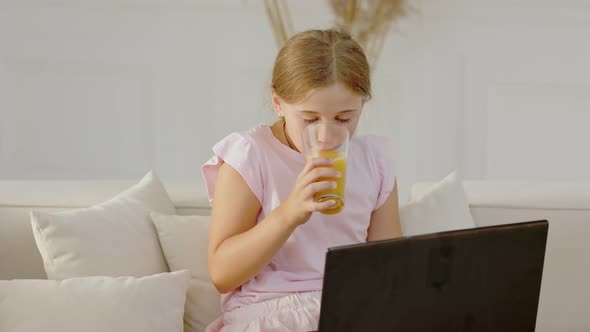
point(109, 89)
point(497, 89)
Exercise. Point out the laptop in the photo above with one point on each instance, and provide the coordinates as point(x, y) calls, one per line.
point(481, 279)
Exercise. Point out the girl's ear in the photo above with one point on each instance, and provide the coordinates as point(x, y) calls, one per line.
point(276, 103)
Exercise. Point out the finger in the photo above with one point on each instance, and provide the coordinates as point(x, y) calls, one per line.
point(319, 173)
point(316, 206)
point(315, 163)
point(316, 187)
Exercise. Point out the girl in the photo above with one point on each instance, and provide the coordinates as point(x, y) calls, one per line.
point(267, 242)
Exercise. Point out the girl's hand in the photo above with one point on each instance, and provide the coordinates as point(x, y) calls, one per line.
point(299, 206)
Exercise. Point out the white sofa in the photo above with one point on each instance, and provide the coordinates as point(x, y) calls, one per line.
point(565, 294)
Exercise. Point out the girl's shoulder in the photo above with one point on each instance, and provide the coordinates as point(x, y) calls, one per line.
point(242, 151)
point(374, 146)
point(252, 137)
point(375, 155)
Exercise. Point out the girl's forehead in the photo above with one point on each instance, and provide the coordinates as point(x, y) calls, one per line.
point(333, 91)
point(332, 98)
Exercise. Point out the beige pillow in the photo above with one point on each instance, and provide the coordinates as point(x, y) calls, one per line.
point(443, 208)
point(184, 242)
point(115, 238)
point(94, 304)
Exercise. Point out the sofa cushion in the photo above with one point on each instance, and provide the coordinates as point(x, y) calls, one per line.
point(443, 207)
point(123, 304)
point(115, 238)
point(184, 242)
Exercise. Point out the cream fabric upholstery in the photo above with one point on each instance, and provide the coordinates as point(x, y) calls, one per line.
point(19, 256)
point(564, 295)
point(95, 304)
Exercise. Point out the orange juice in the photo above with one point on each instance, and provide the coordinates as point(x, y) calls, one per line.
point(336, 194)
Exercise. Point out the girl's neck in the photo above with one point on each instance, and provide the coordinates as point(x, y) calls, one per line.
point(279, 130)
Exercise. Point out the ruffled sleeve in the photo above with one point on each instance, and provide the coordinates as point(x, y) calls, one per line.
point(239, 151)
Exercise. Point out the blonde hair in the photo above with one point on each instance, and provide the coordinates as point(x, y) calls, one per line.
point(318, 58)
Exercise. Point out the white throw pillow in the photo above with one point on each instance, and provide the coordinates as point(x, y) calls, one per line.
point(115, 238)
point(184, 242)
point(94, 304)
point(443, 208)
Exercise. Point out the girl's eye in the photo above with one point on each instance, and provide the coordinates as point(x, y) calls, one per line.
point(310, 121)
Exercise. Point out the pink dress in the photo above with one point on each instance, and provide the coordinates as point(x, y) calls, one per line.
point(286, 292)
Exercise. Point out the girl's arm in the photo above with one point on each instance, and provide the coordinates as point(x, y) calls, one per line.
point(238, 247)
point(385, 220)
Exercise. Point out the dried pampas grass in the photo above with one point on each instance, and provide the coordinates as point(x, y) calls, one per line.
point(368, 21)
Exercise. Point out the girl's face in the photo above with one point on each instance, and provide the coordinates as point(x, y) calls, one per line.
point(332, 103)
